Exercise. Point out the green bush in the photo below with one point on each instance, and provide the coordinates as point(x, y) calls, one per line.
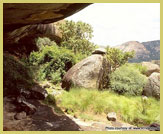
point(127, 80)
point(139, 67)
point(16, 74)
point(53, 62)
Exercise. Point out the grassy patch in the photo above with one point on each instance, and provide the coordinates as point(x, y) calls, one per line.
point(128, 108)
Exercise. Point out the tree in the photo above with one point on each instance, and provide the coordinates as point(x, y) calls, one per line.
point(76, 36)
point(117, 58)
point(113, 59)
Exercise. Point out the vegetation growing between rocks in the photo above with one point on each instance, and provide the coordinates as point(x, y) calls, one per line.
point(128, 80)
point(53, 62)
point(138, 67)
point(113, 59)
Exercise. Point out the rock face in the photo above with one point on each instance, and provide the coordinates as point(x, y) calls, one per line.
point(152, 88)
point(85, 73)
point(22, 41)
point(24, 22)
point(17, 15)
point(151, 67)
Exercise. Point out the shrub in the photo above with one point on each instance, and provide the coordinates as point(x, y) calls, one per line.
point(127, 80)
point(16, 74)
point(139, 67)
point(53, 62)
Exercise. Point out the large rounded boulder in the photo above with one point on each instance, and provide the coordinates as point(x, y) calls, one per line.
point(152, 88)
point(151, 67)
point(84, 74)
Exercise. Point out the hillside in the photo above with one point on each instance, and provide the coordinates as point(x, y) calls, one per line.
point(154, 48)
point(145, 51)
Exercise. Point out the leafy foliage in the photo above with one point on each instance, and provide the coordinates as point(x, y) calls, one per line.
point(117, 58)
point(127, 80)
point(76, 36)
point(139, 67)
point(53, 62)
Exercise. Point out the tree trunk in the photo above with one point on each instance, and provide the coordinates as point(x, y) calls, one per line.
point(104, 75)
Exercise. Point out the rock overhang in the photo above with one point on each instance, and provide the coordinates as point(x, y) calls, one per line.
point(17, 15)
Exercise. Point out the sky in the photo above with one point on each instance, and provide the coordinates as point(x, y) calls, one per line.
point(117, 23)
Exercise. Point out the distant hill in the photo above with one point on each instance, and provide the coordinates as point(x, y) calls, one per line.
point(154, 48)
point(145, 51)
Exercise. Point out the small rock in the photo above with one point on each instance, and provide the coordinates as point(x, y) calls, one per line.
point(21, 115)
point(29, 108)
point(99, 51)
point(25, 93)
point(112, 116)
point(154, 127)
point(24, 105)
point(68, 110)
point(75, 116)
point(20, 99)
point(49, 124)
point(144, 98)
point(37, 92)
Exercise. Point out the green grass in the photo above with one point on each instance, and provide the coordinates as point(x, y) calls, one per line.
point(129, 109)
